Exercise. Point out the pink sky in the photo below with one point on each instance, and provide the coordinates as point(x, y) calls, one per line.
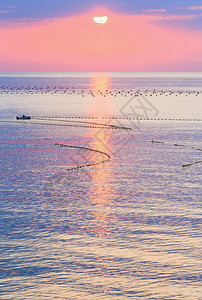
point(124, 43)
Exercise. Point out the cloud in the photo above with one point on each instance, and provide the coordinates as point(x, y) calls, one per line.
point(78, 44)
point(38, 9)
point(182, 17)
point(154, 10)
point(193, 21)
point(191, 8)
point(195, 7)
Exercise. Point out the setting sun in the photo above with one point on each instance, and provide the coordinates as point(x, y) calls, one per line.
point(101, 20)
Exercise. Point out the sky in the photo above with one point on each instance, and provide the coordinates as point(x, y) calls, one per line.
point(139, 36)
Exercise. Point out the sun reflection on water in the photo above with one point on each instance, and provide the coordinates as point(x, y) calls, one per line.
point(101, 191)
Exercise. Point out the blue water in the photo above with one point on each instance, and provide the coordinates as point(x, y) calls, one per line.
point(129, 228)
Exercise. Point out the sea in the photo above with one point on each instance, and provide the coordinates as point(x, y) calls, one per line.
point(100, 190)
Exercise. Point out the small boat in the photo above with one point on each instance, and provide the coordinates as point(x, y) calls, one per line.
point(23, 117)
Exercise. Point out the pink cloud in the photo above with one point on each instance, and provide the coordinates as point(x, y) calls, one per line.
point(191, 8)
point(124, 43)
point(180, 17)
point(154, 10)
point(195, 8)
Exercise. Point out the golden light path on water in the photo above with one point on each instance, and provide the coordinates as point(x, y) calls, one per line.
point(100, 194)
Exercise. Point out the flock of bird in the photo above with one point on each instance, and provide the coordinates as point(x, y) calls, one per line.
point(92, 92)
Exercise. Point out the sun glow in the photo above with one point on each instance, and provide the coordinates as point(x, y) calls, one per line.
point(101, 20)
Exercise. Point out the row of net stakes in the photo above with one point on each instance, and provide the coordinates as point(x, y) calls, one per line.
point(81, 147)
point(108, 126)
point(118, 118)
point(67, 125)
point(85, 148)
point(177, 145)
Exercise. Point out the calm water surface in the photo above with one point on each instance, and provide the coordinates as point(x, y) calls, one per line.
point(126, 229)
